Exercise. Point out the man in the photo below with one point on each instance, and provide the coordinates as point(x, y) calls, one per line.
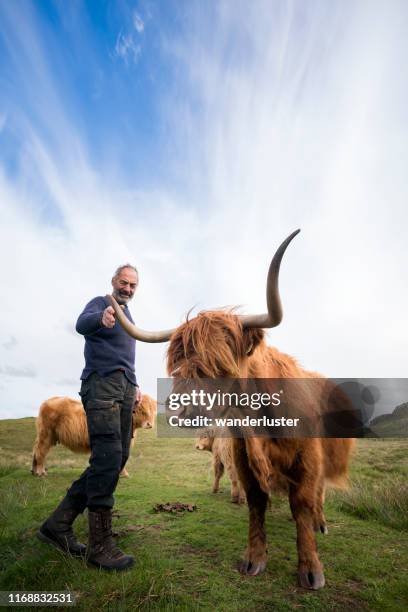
point(108, 391)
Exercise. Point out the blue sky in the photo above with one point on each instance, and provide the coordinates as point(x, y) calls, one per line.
point(101, 71)
point(190, 138)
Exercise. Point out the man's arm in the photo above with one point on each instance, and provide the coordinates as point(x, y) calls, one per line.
point(94, 316)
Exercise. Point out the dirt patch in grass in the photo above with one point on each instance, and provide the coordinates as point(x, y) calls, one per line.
point(199, 552)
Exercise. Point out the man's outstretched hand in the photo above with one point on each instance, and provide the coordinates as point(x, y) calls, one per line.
point(108, 317)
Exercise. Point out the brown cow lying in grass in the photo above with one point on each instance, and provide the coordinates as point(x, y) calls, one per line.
point(221, 449)
point(62, 420)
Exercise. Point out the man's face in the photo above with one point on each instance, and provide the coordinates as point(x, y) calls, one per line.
point(124, 285)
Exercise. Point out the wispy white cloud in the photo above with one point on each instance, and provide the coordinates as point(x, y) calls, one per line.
point(128, 45)
point(19, 372)
point(138, 22)
point(10, 343)
point(127, 48)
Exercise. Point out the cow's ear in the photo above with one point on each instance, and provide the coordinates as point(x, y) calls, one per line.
point(252, 338)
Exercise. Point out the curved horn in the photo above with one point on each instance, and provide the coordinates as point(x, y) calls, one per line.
point(136, 332)
point(274, 315)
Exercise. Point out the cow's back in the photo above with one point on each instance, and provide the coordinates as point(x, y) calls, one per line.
point(65, 418)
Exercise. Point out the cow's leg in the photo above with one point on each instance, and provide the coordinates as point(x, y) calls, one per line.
point(255, 556)
point(254, 561)
point(233, 476)
point(237, 492)
point(218, 473)
point(320, 520)
point(241, 494)
point(41, 449)
point(302, 497)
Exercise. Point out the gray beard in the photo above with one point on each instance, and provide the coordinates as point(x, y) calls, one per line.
point(120, 300)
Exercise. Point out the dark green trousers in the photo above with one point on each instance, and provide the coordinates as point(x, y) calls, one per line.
point(108, 403)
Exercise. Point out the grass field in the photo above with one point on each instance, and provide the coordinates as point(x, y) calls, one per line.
point(188, 562)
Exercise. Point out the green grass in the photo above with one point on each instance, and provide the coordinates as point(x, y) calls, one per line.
point(188, 562)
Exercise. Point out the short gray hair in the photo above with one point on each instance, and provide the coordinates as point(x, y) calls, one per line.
point(128, 265)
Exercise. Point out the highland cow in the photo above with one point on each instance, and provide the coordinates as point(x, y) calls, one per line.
point(222, 449)
point(62, 420)
point(226, 345)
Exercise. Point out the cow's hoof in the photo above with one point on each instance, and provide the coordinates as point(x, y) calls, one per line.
point(324, 529)
point(235, 500)
point(250, 568)
point(311, 580)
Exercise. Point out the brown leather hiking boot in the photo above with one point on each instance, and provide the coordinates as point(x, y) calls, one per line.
point(102, 550)
point(57, 529)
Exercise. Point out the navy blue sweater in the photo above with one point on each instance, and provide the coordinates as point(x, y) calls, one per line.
point(106, 349)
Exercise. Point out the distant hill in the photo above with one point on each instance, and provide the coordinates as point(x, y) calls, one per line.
point(392, 425)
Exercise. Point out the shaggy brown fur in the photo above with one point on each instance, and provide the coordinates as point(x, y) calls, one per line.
point(221, 449)
point(214, 344)
point(62, 420)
